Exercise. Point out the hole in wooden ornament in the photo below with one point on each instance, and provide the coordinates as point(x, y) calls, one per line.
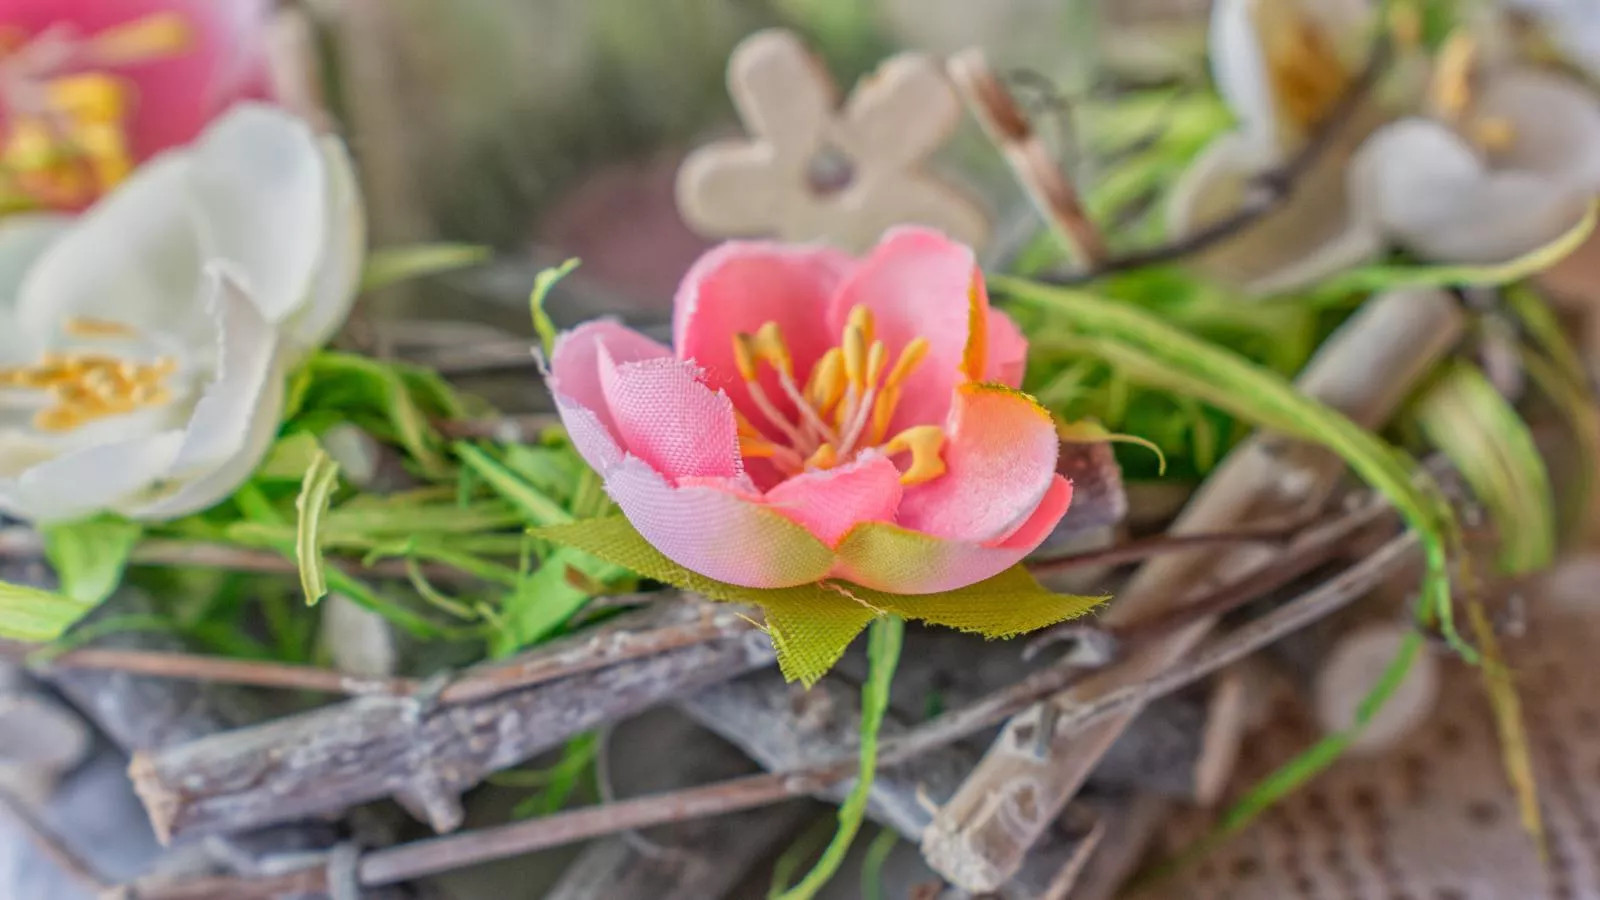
point(1245, 868)
point(1451, 736)
point(1483, 813)
point(829, 171)
point(1448, 894)
point(1588, 722)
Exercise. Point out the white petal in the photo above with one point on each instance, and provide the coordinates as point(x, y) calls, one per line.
point(338, 276)
point(1310, 236)
point(89, 480)
point(1239, 67)
point(212, 488)
point(221, 421)
point(1555, 123)
point(132, 258)
point(1573, 25)
point(1432, 192)
point(23, 239)
point(258, 192)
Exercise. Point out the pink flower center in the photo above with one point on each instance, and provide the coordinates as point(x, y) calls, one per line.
point(845, 406)
point(66, 136)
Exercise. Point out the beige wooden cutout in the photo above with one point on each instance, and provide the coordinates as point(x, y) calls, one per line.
point(812, 170)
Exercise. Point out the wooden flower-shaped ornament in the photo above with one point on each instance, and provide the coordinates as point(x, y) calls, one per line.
point(814, 171)
point(831, 438)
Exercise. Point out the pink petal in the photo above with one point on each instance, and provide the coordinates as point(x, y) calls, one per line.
point(1000, 458)
point(718, 531)
point(829, 503)
point(896, 560)
point(740, 286)
point(666, 415)
point(1008, 351)
point(176, 96)
point(574, 379)
point(918, 283)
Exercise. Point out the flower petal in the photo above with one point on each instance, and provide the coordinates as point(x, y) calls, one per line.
point(918, 283)
point(23, 238)
point(90, 479)
point(1315, 233)
point(222, 418)
point(1000, 459)
point(829, 503)
point(740, 286)
point(1435, 195)
point(897, 560)
point(574, 379)
point(715, 532)
point(209, 489)
point(1008, 351)
point(259, 191)
point(338, 276)
point(1239, 67)
point(133, 258)
point(1555, 126)
point(666, 415)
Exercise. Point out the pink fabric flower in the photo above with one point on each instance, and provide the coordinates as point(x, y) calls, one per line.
point(822, 417)
point(118, 81)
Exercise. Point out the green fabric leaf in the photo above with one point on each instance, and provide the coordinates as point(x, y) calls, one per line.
point(37, 616)
point(392, 265)
point(812, 624)
point(89, 557)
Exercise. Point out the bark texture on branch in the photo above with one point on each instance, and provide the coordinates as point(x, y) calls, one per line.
point(421, 753)
point(980, 839)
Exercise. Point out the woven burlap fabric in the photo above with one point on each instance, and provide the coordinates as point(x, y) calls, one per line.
point(1434, 819)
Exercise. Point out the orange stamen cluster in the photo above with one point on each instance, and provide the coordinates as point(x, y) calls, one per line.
point(845, 406)
point(88, 387)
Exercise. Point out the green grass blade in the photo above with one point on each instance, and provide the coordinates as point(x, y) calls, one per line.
point(316, 493)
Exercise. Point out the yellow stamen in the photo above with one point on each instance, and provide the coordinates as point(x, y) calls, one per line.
point(1451, 91)
point(157, 36)
point(744, 356)
point(825, 458)
point(770, 346)
point(889, 395)
point(92, 328)
point(1308, 76)
point(1493, 133)
point(924, 443)
point(861, 320)
point(87, 387)
point(855, 357)
point(826, 385)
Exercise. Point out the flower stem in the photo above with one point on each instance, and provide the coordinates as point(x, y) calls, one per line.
point(883, 652)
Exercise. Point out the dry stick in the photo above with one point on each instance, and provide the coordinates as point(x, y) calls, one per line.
point(523, 429)
point(1052, 194)
point(1365, 370)
point(1277, 187)
point(427, 857)
point(1144, 548)
point(422, 753)
point(194, 667)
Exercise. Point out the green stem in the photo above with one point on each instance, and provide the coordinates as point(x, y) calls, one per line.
point(883, 649)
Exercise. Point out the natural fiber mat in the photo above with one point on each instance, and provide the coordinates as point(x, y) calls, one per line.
point(1433, 818)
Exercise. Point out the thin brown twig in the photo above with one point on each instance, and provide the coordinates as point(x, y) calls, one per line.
point(1276, 187)
point(1155, 545)
point(521, 429)
point(66, 859)
point(223, 670)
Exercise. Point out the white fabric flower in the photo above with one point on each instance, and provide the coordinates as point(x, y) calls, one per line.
point(1571, 26)
point(1283, 66)
point(1515, 174)
point(144, 345)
